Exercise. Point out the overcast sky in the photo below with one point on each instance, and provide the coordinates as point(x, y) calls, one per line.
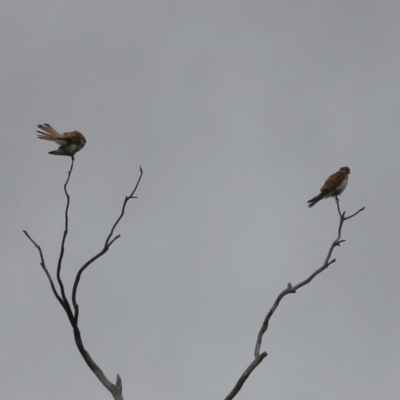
point(237, 112)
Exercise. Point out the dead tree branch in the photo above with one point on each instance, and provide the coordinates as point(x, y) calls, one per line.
point(258, 357)
point(73, 312)
point(109, 241)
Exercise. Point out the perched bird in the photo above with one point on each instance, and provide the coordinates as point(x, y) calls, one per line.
point(70, 142)
point(333, 186)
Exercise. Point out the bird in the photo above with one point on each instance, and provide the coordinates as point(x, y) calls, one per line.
point(70, 142)
point(333, 186)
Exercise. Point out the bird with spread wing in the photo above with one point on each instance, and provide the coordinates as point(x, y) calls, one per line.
point(70, 142)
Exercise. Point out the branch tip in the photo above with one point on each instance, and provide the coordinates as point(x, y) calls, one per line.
point(353, 215)
point(118, 384)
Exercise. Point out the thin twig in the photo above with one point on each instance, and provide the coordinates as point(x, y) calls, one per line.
point(131, 196)
point(106, 247)
point(43, 265)
point(67, 306)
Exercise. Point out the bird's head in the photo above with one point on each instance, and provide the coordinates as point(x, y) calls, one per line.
point(345, 170)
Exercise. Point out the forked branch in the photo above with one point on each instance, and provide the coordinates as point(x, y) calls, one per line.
point(258, 357)
point(73, 313)
point(109, 241)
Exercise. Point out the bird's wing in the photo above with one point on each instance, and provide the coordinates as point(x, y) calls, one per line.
point(333, 181)
point(74, 137)
point(49, 133)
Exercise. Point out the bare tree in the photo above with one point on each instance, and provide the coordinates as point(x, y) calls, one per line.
point(72, 309)
point(258, 357)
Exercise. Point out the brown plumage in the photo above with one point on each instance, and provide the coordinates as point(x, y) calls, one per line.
point(70, 142)
point(333, 186)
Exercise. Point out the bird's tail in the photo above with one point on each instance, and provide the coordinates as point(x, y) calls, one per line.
point(316, 199)
point(59, 152)
point(49, 133)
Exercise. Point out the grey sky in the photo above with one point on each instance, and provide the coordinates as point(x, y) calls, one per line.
point(237, 111)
